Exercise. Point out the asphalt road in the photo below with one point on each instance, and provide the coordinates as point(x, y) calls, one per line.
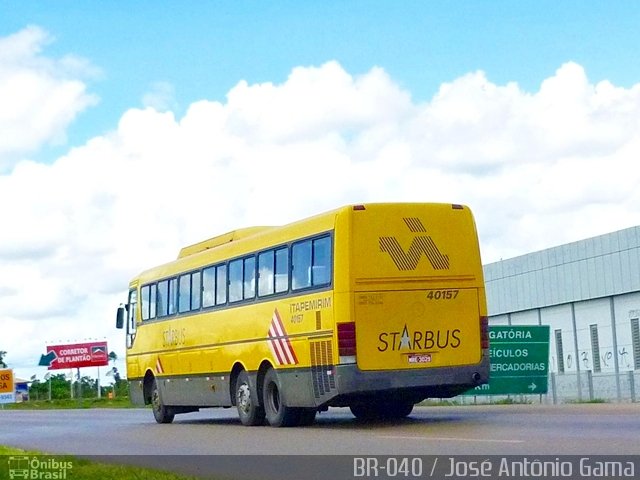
point(595, 429)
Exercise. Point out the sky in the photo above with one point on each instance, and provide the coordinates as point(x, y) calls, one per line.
point(131, 129)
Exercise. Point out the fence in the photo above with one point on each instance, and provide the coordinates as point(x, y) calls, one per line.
point(589, 386)
point(571, 387)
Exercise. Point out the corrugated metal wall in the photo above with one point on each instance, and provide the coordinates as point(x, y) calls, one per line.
point(588, 292)
point(593, 268)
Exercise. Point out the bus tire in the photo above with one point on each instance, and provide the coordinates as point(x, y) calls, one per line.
point(161, 412)
point(277, 413)
point(392, 410)
point(396, 410)
point(306, 416)
point(364, 411)
point(249, 412)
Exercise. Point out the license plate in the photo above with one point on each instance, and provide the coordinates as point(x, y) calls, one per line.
point(419, 358)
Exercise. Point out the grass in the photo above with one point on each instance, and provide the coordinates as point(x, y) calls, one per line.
point(69, 403)
point(83, 469)
point(512, 401)
point(594, 400)
point(480, 400)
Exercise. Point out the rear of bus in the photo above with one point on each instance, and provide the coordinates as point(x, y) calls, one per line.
point(410, 305)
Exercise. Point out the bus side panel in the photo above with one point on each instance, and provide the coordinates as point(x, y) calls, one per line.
point(194, 363)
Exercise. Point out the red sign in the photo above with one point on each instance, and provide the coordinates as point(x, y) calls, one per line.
point(78, 355)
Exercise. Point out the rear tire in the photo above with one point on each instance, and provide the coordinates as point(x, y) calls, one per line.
point(161, 412)
point(277, 413)
point(249, 412)
point(364, 412)
point(306, 416)
point(393, 410)
point(396, 410)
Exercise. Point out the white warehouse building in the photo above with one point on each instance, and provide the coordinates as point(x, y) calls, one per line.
point(588, 292)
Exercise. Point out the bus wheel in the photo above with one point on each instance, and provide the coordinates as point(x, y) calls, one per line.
point(277, 413)
point(161, 412)
point(250, 413)
point(397, 410)
point(307, 416)
point(364, 411)
point(381, 410)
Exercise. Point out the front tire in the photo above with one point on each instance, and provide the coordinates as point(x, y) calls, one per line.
point(277, 413)
point(161, 412)
point(249, 412)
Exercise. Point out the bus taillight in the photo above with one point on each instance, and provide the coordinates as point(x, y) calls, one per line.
point(347, 339)
point(484, 332)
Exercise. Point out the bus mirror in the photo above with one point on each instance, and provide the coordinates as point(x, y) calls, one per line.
point(120, 317)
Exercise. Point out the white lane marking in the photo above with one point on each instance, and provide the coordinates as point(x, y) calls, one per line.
point(449, 439)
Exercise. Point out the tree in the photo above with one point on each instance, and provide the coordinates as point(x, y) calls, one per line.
point(120, 387)
point(88, 386)
point(59, 388)
point(2, 354)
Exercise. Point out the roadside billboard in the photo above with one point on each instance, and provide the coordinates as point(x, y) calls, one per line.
point(7, 389)
point(76, 355)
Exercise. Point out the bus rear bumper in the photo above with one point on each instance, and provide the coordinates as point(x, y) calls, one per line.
point(344, 385)
point(353, 384)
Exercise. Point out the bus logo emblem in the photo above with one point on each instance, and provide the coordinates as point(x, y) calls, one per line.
point(279, 342)
point(421, 244)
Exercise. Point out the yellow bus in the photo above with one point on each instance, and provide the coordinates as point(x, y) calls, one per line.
point(375, 307)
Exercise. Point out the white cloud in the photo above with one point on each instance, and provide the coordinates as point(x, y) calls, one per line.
point(538, 169)
point(160, 97)
point(39, 96)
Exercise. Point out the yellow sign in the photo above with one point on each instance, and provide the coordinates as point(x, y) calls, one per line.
point(6, 381)
point(7, 389)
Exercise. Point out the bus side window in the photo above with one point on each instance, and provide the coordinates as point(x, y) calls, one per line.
point(221, 285)
point(282, 270)
point(162, 298)
point(144, 301)
point(321, 271)
point(235, 280)
point(265, 273)
point(249, 278)
point(133, 306)
point(209, 287)
point(301, 265)
point(173, 296)
point(152, 301)
point(131, 317)
point(184, 293)
point(196, 290)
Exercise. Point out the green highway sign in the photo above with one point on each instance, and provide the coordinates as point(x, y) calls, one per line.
point(519, 356)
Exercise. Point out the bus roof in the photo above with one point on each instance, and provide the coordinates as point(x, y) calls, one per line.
point(218, 240)
point(232, 244)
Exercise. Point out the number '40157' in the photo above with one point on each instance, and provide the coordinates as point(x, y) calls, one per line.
point(442, 294)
